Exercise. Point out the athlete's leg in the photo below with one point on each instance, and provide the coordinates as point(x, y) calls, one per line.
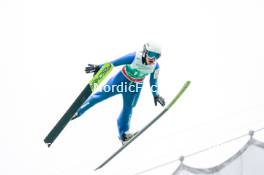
point(129, 101)
point(107, 91)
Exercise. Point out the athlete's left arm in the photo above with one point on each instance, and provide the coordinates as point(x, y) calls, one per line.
point(154, 80)
point(154, 86)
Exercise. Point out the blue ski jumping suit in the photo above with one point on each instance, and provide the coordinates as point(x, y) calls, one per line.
point(131, 79)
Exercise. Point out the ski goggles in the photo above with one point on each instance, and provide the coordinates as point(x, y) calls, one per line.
point(153, 55)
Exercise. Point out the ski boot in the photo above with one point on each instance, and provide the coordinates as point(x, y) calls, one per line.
point(126, 137)
point(75, 116)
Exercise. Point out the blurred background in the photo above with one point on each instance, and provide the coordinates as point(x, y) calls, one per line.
point(45, 46)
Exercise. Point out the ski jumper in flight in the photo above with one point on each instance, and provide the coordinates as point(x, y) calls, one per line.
point(128, 82)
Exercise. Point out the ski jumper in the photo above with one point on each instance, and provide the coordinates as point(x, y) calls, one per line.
point(131, 79)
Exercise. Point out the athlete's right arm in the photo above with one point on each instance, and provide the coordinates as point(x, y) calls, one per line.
point(126, 59)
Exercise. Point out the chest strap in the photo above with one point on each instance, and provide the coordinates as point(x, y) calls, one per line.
point(129, 77)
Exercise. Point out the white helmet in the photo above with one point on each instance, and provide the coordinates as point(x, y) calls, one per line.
point(151, 50)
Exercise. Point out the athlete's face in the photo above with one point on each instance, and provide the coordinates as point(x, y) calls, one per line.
point(151, 57)
point(150, 60)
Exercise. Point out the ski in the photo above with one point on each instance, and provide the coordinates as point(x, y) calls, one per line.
point(185, 86)
point(87, 91)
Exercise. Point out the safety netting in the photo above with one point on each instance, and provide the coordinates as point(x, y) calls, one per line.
point(249, 160)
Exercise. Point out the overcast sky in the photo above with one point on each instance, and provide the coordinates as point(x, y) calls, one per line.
point(45, 45)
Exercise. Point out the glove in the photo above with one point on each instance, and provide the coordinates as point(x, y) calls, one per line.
point(92, 68)
point(160, 100)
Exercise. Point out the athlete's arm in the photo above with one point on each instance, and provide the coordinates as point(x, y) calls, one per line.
point(153, 81)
